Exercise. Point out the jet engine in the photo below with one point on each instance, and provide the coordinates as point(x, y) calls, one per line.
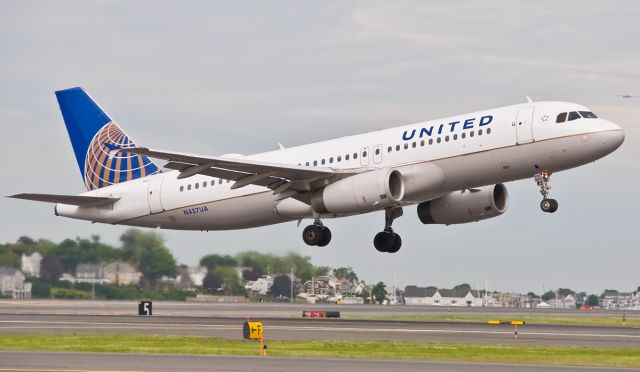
point(465, 206)
point(362, 192)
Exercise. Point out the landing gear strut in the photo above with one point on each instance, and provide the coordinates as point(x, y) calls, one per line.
point(547, 205)
point(316, 234)
point(387, 240)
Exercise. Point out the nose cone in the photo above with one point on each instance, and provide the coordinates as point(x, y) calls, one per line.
point(611, 136)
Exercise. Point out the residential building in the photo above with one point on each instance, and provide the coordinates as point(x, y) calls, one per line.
point(121, 273)
point(434, 296)
point(197, 274)
point(259, 287)
point(12, 283)
point(318, 288)
point(31, 264)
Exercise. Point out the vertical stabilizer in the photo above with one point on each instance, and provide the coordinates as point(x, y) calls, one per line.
point(95, 138)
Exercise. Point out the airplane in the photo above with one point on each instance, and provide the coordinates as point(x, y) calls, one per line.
point(453, 168)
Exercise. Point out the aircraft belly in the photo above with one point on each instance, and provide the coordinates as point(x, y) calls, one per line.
point(229, 214)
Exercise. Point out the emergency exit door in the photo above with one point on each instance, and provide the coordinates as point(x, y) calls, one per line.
point(153, 195)
point(524, 127)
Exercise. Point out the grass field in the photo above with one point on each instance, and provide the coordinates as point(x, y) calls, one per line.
point(161, 344)
point(569, 320)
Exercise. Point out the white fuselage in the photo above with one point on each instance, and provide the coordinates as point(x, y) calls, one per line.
point(519, 141)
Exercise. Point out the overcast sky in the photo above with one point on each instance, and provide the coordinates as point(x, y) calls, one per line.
point(239, 77)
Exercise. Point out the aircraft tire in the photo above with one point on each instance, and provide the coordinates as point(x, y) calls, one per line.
point(326, 237)
point(312, 235)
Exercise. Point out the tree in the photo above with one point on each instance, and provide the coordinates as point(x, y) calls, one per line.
point(214, 260)
point(346, 273)
point(50, 268)
point(593, 300)
point(548, 295)
point(462, 288)
point(249, 274)
point(379, 292)
point(281, 287)
point(230, 279)
point(532, 295)
point(211, 283)
point(564, 292)
point(148, 251)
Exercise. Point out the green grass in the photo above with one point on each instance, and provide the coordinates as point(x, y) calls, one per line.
point(161, 344)
point(577, 320)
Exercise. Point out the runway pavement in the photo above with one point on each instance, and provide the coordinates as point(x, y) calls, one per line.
point(44, 361)
point(326, 329)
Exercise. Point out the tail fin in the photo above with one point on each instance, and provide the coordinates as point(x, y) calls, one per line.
point(96, 138)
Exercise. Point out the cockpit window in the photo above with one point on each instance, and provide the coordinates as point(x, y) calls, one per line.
point(561, 118)
point(588, 115)
point(573, 115)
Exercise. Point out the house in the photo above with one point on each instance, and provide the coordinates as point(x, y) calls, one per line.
point(121, 273)
point(567, 302)
point(259, 287)
point(31, 264)
point(433, 296)
point(12, 283)
point(90, 273)
point(197, 274)
point(617, 300)
point(318, 288)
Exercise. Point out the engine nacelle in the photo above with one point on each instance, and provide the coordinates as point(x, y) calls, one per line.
point(465, 206)
point(367, 191)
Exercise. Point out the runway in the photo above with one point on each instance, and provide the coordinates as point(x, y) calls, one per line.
point(326, 329)
point(81, 362)
point(284, 322)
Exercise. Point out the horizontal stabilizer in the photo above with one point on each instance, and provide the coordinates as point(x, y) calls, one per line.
point(79, 200)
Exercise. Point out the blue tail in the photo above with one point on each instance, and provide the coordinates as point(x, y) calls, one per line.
point(96, 138)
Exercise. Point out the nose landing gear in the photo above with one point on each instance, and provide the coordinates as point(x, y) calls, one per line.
point(316, 234)
point(547, 205)
point(387, 240)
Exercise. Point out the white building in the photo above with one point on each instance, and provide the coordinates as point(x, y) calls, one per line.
point(432, 296)
point(260, 286)
point(31, 264)
point(12, 283)
point(197, 274)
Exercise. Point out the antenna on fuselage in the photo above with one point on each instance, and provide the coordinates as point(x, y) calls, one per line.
point(529, 99)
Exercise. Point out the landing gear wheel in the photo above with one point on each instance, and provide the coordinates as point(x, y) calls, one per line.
point(387, 241)
point(549, 205)
point(313, 234)
point(326, 237)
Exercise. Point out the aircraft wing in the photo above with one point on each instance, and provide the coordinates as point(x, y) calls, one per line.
point(287, 180)
point(79, 200)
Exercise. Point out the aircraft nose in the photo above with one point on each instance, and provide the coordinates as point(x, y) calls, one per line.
point(612, 136)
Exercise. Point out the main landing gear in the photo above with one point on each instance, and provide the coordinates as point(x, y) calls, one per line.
point(387, 240)
point(316, 234)
point(547, 205)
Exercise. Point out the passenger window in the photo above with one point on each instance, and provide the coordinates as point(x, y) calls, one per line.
point(307, 164)
point(446, 138)
point(471, 134)
point(189, 187)
point(331, 160)
point(204, 184)
point(422, 143)
point(413, 145)
point(322, 161)
point(389, 149)
point(181, 188)
point(479, 132)
point(346, 157)
point(431, 141)
point(228, 181)
point(339, 159)
point(364, 154)
point(561, 118)
point(439, 140)
point(315, 163)
point(197, 185)
point(406, 146)
point(355, 155)
point(397, 147)
point(377, 151)
point(588, 115)
point(464, 135)
point(220, 181)
point(455, 136)
point(488, 130)
point(573, 115)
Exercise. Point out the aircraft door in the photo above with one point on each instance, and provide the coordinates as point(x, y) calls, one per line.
point(153, 194)
point(364, 155)
point(377, 154)
point(524, 127)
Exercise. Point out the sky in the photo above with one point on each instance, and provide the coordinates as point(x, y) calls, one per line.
point(217, 77)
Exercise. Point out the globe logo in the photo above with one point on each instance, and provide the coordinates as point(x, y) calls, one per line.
point(105, 165)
